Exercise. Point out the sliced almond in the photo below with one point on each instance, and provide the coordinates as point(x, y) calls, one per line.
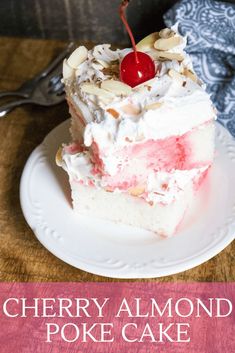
point(58, 157)
point(137, 191)
point(97, 66)
point(112, 70)
point(78, 57)
point(130, 109)
point(117, 87)
point(106, 100)
point(78, 71)
point(91, 88)
point(103, 63)
point(147, 43)
point(188, 73)
point(109, 189)
point(144, 86)
point(167, 33)
point(167, 43)
point(113, 112)
point(68, 72)
point(140, 137)
point(175, 75)
point(154, 106)
point(164, 56)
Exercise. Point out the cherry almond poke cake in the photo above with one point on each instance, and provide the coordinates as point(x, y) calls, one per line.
point(142, 128)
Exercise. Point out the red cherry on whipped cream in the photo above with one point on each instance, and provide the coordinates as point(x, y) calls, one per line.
point(136, 67)
point(133, 72)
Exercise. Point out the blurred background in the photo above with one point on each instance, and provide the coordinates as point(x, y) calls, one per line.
point(85, 20)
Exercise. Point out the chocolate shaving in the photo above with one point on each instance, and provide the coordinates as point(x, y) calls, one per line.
point(112, 70)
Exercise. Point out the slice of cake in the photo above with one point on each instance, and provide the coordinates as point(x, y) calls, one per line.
point(138, 154)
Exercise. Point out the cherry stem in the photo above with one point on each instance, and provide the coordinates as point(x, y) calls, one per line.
point(122, 10)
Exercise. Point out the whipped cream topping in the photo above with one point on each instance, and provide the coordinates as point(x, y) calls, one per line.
point(182, 108)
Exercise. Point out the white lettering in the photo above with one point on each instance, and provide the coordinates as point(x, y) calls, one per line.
point(87, 332)
point(147, 333)
point(46, 307)
point(25, 307)
point(181, 332)
point(219, 309)
point(138, 311)
point(124, 336)
point(50, 331)
point(64, 305)
point(106, 330)
point(82, 307)
point(164, 333)
point(167, 308)
point(184, 301)
point(201, 304)
point(5, 310)
point(71, 326)
point(124, 307)
point(100, 307)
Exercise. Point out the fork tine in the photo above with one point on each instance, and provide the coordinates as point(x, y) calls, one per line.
point(27, 87)
point(38, 93)
point(54, 80)
point(56, 87)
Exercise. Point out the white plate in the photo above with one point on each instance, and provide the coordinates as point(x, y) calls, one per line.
point(121, 251)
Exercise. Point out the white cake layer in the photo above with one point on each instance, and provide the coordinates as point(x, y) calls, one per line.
point(123, 208)
point(77, 124)
point(202, 141)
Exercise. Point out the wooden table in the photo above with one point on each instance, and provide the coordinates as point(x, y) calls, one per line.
point(22, 257)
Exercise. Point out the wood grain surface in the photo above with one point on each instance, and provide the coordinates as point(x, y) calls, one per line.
point(94, 20)
point(22, 257)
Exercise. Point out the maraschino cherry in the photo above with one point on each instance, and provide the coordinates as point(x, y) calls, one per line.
point(136, 67)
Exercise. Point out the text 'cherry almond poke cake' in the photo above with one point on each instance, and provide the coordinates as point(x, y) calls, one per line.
point(142, 128)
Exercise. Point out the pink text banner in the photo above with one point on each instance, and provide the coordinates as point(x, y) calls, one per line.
point(117, 317)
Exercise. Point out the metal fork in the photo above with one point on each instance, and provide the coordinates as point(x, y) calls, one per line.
point(45, 89)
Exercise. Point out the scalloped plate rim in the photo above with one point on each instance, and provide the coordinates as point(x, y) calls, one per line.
point(133, 273)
